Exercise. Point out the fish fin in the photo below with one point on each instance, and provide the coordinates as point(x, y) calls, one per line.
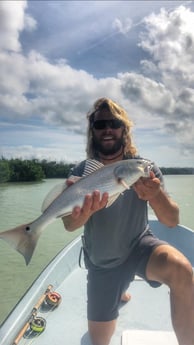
point(112, 199)
point(91, 165)
point(118, 175)
point(52, 195)
point(21, 240)
point(125, 185)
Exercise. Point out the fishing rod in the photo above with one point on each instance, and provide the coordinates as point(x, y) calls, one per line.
point(38, 324)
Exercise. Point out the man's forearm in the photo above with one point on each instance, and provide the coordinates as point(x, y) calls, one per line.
point(166, 210)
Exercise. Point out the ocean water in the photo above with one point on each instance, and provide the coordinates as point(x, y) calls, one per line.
point(21, 203)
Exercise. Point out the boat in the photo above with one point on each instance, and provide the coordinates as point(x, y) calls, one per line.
point(53, 310)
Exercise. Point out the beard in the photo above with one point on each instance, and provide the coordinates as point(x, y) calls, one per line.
point(107, 150)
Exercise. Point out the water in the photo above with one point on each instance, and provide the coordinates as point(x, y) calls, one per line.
point(21, 203)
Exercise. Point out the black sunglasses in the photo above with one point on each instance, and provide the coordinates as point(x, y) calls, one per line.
point(102, 124)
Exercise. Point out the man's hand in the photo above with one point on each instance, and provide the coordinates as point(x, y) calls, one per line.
point(92, 203)
point(147, 188)
point(71, 180)
point(80, 215)
point(164, 207)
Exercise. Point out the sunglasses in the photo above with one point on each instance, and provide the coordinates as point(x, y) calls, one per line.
point(102, 124)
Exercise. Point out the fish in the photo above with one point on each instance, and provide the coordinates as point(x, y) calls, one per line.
point(113, 178)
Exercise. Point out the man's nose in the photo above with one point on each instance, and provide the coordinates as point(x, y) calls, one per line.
point(108, 125)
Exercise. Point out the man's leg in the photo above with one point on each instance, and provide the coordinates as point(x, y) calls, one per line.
point(168, 265)
point(101, 332)
point(105, 289)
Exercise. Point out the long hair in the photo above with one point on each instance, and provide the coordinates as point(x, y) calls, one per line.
point(119, 113)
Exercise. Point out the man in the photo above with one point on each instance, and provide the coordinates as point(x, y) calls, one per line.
point(117, 240)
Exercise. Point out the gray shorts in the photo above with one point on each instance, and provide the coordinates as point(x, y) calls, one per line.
point(105, 286)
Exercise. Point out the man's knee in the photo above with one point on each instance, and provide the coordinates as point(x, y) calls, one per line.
point(169, 266)
point(180, 273)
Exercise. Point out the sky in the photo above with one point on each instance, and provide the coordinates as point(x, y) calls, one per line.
point(58, 57)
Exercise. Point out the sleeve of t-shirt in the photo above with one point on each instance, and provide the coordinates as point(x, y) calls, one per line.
point(77, 170)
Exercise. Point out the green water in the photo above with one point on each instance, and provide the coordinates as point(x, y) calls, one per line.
point(21, 203)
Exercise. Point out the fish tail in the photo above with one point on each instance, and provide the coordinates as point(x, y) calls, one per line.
point(22, 239)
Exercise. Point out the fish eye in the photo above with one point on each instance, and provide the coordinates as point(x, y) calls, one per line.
point(27, 228)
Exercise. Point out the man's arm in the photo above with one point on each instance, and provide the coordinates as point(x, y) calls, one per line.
point(164, 207)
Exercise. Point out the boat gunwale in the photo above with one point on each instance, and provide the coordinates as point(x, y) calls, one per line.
point(37, 288)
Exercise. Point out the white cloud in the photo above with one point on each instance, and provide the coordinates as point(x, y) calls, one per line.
point(161, 98)
point(30, 23)
point(169, 39)
point(54, 92)
point(41, 142)
point(12, 21)
point(57, 154)
point(147, 93)
point(123, 26)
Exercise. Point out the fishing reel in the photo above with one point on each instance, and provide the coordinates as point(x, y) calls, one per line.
point(53, 299)
point(38, 324)
point(35, 325)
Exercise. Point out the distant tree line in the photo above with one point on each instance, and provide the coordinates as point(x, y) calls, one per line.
point(177, 171)
point(19, 170)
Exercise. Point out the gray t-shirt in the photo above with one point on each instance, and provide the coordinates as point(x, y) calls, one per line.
point(110, 233)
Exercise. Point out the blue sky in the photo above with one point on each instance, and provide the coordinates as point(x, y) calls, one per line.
point(58, 57)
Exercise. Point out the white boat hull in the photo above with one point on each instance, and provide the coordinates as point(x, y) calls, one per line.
point(146, 318)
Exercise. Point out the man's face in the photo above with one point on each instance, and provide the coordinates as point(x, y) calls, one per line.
point(107, 140)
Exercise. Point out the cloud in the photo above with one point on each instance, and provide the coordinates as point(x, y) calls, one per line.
point(147, 93)
point(13, 21)
point(56, 93)
point(58, 154)
point(123, 26)
point(169, 39)
point(160, 98)
point(184, 131)
point(52, 143)
point(30, 23)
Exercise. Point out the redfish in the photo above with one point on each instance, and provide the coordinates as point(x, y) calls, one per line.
point(113, 178)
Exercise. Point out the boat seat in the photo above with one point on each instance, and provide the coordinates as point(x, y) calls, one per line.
point(143, 337)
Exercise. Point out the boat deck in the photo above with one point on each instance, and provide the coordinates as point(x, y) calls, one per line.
point(144, 320)
point(67, 324)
